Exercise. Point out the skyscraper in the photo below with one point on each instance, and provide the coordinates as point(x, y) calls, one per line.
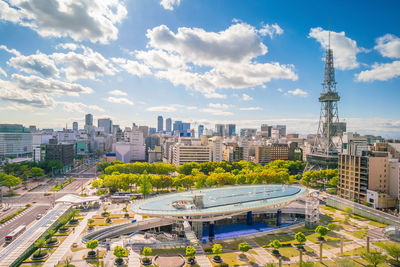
point(160, 124)
point(75, 126)
point(89, 120)
point(201, 130)
point(219, 129)
point(106, 124)
point(168, 125)
point(231, 129)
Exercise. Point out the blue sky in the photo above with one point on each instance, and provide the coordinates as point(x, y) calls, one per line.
point(246, 62)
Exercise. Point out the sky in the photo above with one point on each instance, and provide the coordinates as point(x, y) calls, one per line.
point(200, 61)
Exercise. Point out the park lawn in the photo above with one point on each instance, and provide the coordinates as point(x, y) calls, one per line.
point(302, 229)
point(316, 264)
point(382, 244)
point(49, 250)
point(325, 219)
point(231, 258)
point(289, 252)
point(331, 237)
point(354, 252)
point(169, 251)
point(377, 224)
point(232, 245)
point(359, 218)
point(359, 234)
point(361, 262)
point(327, 208)
point(265, 240)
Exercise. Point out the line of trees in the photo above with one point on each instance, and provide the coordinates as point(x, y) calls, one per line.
point(147, 177)
point(320, 178)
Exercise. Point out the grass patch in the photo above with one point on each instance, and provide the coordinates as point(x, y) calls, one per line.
point(327, 208)
point(265, 240)
point(377, 224)
point(303, 229)
point(382, 244)
point(359, 234)
point(169, 251)
point(233, 245)
point(231, 259)
point(325, 218)
point(359, 218)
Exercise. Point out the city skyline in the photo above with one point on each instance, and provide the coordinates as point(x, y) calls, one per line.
point(247, 64)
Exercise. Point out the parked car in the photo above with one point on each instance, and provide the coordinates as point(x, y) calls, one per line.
point(38, 216)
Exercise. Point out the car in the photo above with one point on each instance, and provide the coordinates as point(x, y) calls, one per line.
point(38, 216)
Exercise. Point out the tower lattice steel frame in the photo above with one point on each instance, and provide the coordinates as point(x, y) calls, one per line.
point(324, 152)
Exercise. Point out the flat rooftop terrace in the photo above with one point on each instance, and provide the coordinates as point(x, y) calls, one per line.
point(219, 200)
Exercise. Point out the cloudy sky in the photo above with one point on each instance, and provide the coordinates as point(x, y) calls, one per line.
point(203, 61)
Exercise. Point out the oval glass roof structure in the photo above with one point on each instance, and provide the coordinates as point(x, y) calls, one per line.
point(221, 200)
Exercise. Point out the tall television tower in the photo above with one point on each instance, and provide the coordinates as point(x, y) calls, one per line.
point(324, 153)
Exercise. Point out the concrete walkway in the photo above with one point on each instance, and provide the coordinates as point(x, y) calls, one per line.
point(201, 258)
point(263, 256)
point(133, 258)
point(60, 252)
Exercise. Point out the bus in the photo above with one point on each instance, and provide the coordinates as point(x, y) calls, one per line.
point(14, 234)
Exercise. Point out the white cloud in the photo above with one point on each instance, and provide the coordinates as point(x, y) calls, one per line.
point(216, 112)
point(388, 46)
point(49, 86)
point(67, 46)
point(280, 90)
point(88, 65)
point(380, 72)
point(2, 72)
point(11, 51)
point(345, 50)
point(170, 4)
point(246, 97)
point(93, 20)
point(132, 67)
point(271, 30)
point(119, 100)
point(298, 92)
point(77, 107)
point(162, 108)
point(218, 105)
point(217, 60)
point(160, 59)
point(238, 43)
point(117, 93)
point(251, 108)
point(38, 63)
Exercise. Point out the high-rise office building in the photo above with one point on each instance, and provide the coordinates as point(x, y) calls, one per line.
point(160, 124)
point(89, 120)
point(231, 129)
point(168, 125)
point(75, 126)
point(106, 124)
point(15, 140)
point(181, 128)
point(200, 130)
point(219, 129)
point(144, 130)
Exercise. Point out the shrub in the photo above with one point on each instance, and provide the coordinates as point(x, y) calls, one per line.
point(208, 249)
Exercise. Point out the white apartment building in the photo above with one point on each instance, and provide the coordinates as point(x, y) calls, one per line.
point(190, 153)
point(216, 146)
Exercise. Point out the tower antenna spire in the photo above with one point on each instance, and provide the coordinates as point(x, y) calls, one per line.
point(329, 44)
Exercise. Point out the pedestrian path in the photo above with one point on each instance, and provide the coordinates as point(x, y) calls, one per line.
point(263, 256)
point(60, 252)
point(201, 258)
point(133, 258)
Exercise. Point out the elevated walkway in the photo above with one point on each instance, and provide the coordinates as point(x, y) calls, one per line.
point(124, 229)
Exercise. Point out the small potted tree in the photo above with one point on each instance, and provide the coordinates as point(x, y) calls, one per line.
point(90, 224)
point(301, 239)
point(243, 247)
point(190, 252)
point(73, 220)
point(92, 245)
point(217, 249)
point(105, 213)
point(146, 252)
point(120, 252)
point(321, 231)
point(276, 245)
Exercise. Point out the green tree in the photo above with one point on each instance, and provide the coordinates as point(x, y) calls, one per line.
point(276, 245)
point(37, 172)
point(244, 247)
point(348, 210)
point(217, 249)
point(9, 181)
point(333, 227)
point(393, 250)
point(190, 251)
point(40, 243)
point(119, 252)
point(145, 184)
point(300, 237)
point(92, 244)
point(146, 251)
point(373, 258)
point(322, 231)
